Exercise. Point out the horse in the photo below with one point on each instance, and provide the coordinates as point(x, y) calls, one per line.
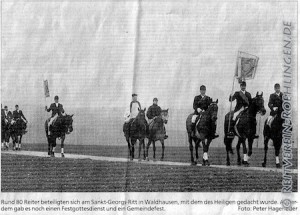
point(157, 132)
point(245, 128)
point(135, 130)
point(62, 126)
point(6, 130)
point(18, 129)
point(275, 134)
point(203, 132)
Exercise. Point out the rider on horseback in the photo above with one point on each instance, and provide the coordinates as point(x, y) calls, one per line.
point(18, 115)
point(135, 106)
point(57, 110)
point(201, 103)
point(153, 112)
point(243, 99)
point(6, 116)
point(275, 104)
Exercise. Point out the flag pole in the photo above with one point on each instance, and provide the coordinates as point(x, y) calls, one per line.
point(231, 103)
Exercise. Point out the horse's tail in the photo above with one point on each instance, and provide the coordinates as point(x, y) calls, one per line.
point(226, 121)
point(188, 123)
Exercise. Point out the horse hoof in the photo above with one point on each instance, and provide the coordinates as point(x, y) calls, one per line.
point(62, 155)
point(193, 163)
point(263, 164)
point(204, 163)
point(278, 165)
point(147, 159)
point(207, 163)
point(239, 163)
point(52, 155)
point(245, 163)
point(228, 164)
point(131, 159)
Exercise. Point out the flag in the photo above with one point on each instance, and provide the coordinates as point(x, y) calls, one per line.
point(46, 88)
point(246, 65)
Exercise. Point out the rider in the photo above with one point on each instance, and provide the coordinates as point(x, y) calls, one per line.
point(134, 106)
point(57, 110)
point(243, 99)
point(275, 104)
point(18, 114)
point(153, 112)
point(201, 103)
point(6, 115)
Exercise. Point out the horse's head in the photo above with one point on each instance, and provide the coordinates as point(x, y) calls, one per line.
point(258, 104)
point(213, 110)
point(165, 115)
point(141, 117)
point(68, 121)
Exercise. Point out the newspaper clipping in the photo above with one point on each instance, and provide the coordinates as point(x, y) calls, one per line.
point(149, 107)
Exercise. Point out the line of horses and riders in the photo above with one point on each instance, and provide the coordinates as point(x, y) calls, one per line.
point(200, 126)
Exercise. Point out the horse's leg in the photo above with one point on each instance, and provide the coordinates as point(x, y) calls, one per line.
point(245, 159)
point(228, 145)
point(238, 145)
point(250, 144)
point(140, 147)
point(128, 145)
point(266, 141)
point(144, 158)
point(191, 148)
point(147, 149)
point(20, 142)
point(133, 141)
point(154, 149)
point(277, 146)
point(62, 146)
point(197, 145)
point(205, 151)
point(163, 149)
point(53, 146)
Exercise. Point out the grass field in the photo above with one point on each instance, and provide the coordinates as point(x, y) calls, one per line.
point(38, 174)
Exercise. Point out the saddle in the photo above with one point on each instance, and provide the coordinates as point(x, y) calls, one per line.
point(151, 123)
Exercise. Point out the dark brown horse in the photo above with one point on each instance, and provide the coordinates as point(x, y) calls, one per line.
point(6, 129)
point(135, 130)
point(157, 133)
point(203, 132)
point(62, 126)
point(245, 129)
point(275, 134)
point(18, 129)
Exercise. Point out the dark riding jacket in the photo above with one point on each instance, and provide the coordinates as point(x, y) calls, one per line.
point(242, 100)
point(56, 110)
point(275, 101)
point(7, 116)
point(201, 102)
point(153, 111)
point(18, 115)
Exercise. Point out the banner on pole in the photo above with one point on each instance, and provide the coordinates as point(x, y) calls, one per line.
point(46, 88)
point(246, 66)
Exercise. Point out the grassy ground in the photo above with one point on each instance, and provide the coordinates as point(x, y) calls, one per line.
point(38, 174)
point(178, 154)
